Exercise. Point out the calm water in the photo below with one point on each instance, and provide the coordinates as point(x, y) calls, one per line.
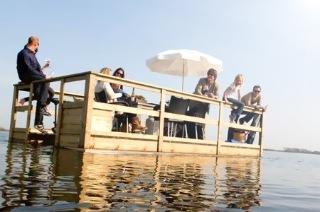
point(38, 178)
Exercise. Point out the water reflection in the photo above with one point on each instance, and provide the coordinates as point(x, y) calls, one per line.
point(66, 179)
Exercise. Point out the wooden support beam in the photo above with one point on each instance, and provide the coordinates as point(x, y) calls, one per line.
point(85, 136)
point(13, 112)
point(161, 124)
point(60, 113)
point(29, 110)
point(219, 127)
point(261, 135)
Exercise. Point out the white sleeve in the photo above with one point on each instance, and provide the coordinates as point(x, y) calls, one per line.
point(109, 91)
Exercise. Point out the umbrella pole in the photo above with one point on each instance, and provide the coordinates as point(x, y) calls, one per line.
point(182, 75)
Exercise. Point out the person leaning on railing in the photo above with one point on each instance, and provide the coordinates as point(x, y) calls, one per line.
point(233, 95)
point(30, 70)
point(253, 100)
point(208, 86)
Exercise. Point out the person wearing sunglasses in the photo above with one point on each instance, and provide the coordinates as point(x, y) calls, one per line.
point(133, 118)
point(208, 86)
point(252, 99)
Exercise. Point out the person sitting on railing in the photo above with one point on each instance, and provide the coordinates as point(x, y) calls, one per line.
point(133, 118)
point(30, 70)
point(233, 95)
point(208, 86)
point(103, 90)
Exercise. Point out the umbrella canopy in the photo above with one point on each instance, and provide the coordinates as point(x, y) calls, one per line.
point(183, 62)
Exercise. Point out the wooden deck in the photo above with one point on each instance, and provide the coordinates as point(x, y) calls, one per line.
point(84, 123)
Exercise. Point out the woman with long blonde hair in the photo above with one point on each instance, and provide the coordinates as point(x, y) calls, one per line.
point(233, 95)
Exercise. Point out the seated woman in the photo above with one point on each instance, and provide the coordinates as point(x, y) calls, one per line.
point(103, 90)
point(133, 118)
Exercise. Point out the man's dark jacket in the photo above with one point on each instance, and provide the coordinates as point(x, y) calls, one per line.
point(28, 66)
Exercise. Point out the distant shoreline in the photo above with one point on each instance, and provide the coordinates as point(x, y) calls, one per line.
point(3, 129)
point(294, 150)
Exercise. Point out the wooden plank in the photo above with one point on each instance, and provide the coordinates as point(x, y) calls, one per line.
point(77, 126)
point(69, 140)
point(20, 135)
point(193, 97)
point(22, 108)
point(241, 127)
point(13, 118)
point(70, 105)
point(261, 135)
point(132, 136)
point(101, 122)
point(29, 109)
point(72, 111)
point(60, 114)
point(190, 118)
point(240, 145)
point(88, 107)
point(123, 144)
point(114, 107)
point(188, 140)
point(22, 86)
point(20, 130)
point(174, 147)
point(126, 82)
point(55, 79)
point(70, 94)
point(161, 121)
point(75, 78)
point(219, 133)
point(71, 131)
point(72, 119)
point(235, 150)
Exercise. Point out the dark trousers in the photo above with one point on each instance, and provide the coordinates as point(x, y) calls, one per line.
point(49, 99)
point(235, 113)
point(40, 93)
point(248, 116)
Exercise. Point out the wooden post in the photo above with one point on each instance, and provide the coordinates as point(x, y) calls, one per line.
point(13, 113)
point(85, 136)
point(29, 110)
point(219, 126)
point(60, 112)
point(161, 124)
point(261, 135)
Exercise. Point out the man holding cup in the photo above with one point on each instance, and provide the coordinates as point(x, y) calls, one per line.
point(30, 70)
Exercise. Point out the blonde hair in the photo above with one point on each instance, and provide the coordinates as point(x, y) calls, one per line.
point(106, 71)
point(239, 77)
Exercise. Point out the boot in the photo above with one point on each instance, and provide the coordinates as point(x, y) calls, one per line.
point(136, 125)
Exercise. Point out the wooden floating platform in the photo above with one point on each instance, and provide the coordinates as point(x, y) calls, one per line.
point(85, 124)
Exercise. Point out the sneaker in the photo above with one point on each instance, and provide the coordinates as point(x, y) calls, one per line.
point(40, 128)
point(55, 101)
point(45, 111)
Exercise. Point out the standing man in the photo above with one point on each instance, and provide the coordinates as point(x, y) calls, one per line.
point(30, 70)
point(252, 99)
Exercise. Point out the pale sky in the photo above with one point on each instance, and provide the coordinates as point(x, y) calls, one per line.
point(274, 43)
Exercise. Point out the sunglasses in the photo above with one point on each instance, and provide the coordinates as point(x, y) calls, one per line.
point(120, 73)
point(257, 91)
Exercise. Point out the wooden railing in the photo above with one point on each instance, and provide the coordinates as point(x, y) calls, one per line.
point(88, 106)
